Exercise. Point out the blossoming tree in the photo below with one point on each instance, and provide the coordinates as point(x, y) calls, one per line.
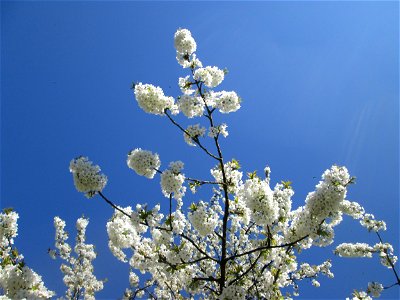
point(242, 243)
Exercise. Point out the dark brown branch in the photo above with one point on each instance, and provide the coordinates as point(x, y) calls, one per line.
point(113, 205)
point(266, 247)
point(389, 260)
point(247, 271)
point(195, 140)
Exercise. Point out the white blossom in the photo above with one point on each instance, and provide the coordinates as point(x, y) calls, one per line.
point(152, 99)
point(354, 250)
point(172, 182)
point(78, 270)
point(214, 131)
point(375, 289)
point(227, 102)
point(369, 222)
point(203, 219)
point(87, 177)
point(211, 76)
point(184, 42)
point(143, 162)
point(193, 132)
point(191, 106)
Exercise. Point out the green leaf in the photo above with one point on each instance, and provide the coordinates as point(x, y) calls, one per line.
point(193, 207)
point(8, 210)
point(235, 164)
point(252, 175)
point(287, 184)
point(169, 220)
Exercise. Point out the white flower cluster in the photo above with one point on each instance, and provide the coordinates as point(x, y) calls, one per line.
point(172, 181)
point(354, 250)
point(231, 292)
point(193, 132)
point(122, 233)
point(143, 162)
point(227, 102)
point(325, 202)
point(232, 173)
point(211, 76)
point(191, 106)
point(375, 289)
point(184, 42)
point(368, 221)
point(78, 271)
point(259, 198)
point(203, 219)
point(312, 271)
point(152, 99)
point(22, 283)
point(185, 46)
point(353, 209)
point(185, 85)
point(359, 295)
point(17, 281)
point(87, 177)
point(213, 132)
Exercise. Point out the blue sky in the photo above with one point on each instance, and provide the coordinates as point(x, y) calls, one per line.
point(319, 82)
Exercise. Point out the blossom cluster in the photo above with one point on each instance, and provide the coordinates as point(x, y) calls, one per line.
point(143, 162)
point(78, 270)
point(87, 177)
point(17, 280)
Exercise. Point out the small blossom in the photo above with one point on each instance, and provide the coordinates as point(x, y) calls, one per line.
point(375, 289)
point(227, 102)
point(191, 106)
point(193, 132)
point(184, 42)
point(143, 162)
point(152, 99)
point(213, 132)
point(87, 177)
point(211, 76)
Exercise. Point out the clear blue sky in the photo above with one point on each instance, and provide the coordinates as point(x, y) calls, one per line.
point(319, 82)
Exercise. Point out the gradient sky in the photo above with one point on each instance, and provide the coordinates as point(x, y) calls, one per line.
point(319, 83)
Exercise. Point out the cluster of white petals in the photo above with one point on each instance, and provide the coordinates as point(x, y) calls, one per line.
point(210, 76)
point(354, 250)
point(193, 132)
point(368, 221)
point(227, 102)
point(152, 99)
point(121, 233)
point(172, 181)
point(185, 46)
point(375, 289)
point(87, 177)
point(22, 283)
point(185, 85)
point(259, 198)
point(215, 131)
point(236, 292)
point(78, 269)
point(191, 106)
point(143, 162)
point(325, 202)
point(232, 173)
point(184, 42)
point(203, 219)
point(353, 209)
point(359, 295)
point(17, 281)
